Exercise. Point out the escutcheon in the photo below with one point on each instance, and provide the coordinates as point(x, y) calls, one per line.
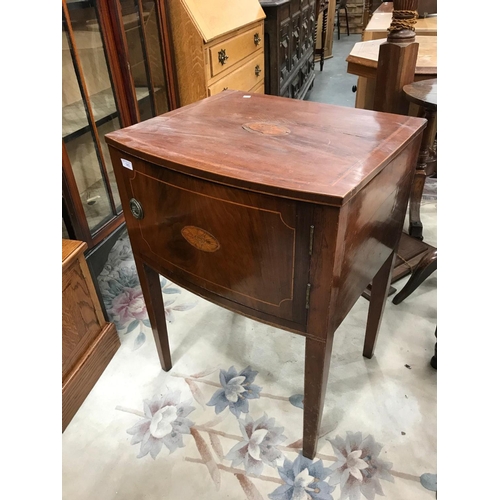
point(136, 209)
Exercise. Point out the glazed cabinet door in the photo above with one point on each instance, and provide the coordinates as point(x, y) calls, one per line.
point(115, 72)
point(89, 110)
point(247, 247)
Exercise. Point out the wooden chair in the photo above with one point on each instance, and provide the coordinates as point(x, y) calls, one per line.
point(342, 4)
point(322, 8)
point(394, 90)
point(424, 95)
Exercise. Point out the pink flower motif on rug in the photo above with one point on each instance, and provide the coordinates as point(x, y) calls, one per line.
point(129, 305)
point(358, 468)
point(259, 445)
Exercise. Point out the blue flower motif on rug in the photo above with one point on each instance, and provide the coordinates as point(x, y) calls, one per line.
point(358, 468)
point(237, 389)
point(259, 446)
point(164, 423)
point(303, 480)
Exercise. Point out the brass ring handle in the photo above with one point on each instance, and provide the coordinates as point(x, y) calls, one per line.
point(257, 70)
point(256, 39)
point(136, 209)
point(223, 57)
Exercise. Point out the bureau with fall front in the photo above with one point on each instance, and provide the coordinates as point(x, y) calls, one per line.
point(218, 45)
point(277, 209)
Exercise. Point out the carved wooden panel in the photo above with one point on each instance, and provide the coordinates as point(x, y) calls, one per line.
point(285, 50)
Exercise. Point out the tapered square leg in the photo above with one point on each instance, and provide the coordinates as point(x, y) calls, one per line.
point(379, 291)
point(153, 297)
point(317, 366)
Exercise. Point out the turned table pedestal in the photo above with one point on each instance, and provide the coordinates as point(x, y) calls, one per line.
point(277, 209)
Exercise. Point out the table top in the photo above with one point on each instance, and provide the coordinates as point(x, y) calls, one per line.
point(71, 249)
point(423, 93)
point(365, 54)
point(384, 7)
point(382, 17)
point(294, 149)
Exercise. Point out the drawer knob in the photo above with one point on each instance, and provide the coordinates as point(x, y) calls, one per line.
point(257, 70)
point(256, 39)
point(136, 209)
point(223, 57)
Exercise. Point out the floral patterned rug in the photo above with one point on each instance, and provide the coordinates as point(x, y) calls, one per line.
point(226, 421)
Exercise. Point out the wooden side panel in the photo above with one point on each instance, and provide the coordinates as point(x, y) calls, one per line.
point(373, 227)
point(88, 342)
point(80, 321)
point(188, 54)
point(79, 382)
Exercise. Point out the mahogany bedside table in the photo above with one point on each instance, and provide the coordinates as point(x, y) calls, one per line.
point(277, 209)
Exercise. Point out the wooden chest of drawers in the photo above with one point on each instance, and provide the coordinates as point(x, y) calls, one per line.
point(278, 209)
point(289, 46)
point(218, 45)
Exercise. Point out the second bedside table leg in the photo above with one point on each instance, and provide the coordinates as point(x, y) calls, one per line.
point(380, 288)
point(153, 297)
point(317, 365)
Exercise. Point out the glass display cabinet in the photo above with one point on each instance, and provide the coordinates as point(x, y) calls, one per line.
point(116, 71)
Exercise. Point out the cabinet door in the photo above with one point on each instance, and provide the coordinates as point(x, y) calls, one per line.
point(116, 71)
point(246, 247)
point(141, 22)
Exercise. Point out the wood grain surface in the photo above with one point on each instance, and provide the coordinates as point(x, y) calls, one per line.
point(330, 154)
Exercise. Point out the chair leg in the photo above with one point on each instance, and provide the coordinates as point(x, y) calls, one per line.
point(346, 20)
point(338, 23)
point(323, 39)
point(426, 266)
point(434, 359)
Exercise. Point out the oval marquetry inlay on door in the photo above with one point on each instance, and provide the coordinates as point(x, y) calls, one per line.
point(200, 239)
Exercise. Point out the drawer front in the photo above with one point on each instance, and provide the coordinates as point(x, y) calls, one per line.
point(226, 54)
point(243, 78)
point(259, 89)
point(249, 248)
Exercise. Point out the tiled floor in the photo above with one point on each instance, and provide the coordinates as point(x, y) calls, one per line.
point(146, 434)
point(334, 85)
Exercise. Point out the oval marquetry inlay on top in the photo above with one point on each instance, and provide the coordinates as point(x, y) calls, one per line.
point(200, 239)
point(266, 128)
